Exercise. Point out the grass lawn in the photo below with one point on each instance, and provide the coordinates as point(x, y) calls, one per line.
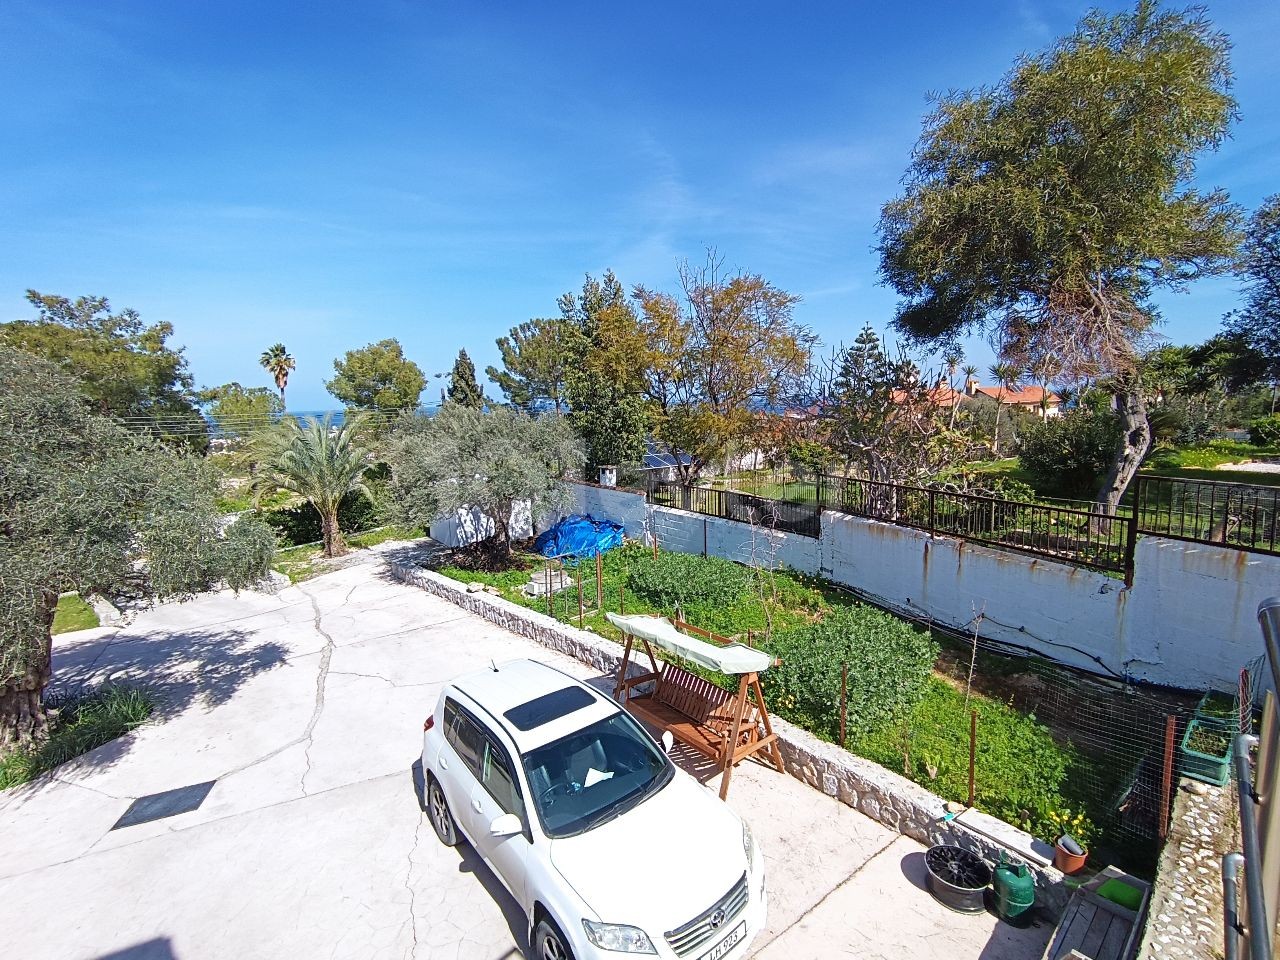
point(240, 499)
point(73, 614)
point(304, 562)
point(79, 725)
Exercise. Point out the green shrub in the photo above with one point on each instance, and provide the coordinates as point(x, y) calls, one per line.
point(684, 579)
point(301, 524)
point(809, 458)
point(1265, 431)
point(889, 664)
point(1070, 454)
point(81, 724)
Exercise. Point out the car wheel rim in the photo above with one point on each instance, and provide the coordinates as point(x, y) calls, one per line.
point(439, 812)
point(552, 949)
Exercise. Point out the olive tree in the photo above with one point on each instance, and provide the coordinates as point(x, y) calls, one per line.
point(463, 458)
point(86, 505)
point(1048, 208)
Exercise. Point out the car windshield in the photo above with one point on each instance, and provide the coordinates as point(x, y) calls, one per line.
point(595, 774)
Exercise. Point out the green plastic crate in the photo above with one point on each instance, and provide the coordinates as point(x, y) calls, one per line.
point(1204, 767)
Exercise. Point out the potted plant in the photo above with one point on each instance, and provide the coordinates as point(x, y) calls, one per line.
point(1074, 834)
point(1206, 752)
point(1218, 710)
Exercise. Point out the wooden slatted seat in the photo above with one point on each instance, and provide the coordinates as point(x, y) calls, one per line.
point(696, 711)
point(725, 727)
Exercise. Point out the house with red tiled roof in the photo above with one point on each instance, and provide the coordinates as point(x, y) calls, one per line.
point(1033, 399)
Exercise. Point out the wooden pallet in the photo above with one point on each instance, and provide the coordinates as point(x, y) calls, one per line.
point(1095, 928)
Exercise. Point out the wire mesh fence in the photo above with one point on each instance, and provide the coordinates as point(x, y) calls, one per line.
point(1055, 750)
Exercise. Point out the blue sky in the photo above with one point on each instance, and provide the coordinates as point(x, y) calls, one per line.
point(330, 175)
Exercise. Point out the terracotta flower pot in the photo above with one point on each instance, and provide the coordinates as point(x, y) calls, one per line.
point(1067, 861)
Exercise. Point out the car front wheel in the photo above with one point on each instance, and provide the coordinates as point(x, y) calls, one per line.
point(548, 942)
point(441, 818)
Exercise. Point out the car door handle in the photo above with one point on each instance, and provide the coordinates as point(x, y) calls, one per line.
point(475, 805)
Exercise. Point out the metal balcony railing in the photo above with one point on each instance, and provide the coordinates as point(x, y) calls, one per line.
point(1257, 866)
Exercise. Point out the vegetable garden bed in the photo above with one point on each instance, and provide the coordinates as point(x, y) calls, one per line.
point(1027, 773)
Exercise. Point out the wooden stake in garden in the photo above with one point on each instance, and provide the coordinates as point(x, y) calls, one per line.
point(844, 699)
point(580, 619)
point(973, 750)
point(1166, 774)
point(599, 582)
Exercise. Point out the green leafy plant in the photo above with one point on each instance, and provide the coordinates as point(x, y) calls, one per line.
point(680, 578)
point(81, 723)
point(1071, 823)
point(889, 664)
point(1265, 431)
point(1213, 742)
point(1069, 454)
point(1020, 769)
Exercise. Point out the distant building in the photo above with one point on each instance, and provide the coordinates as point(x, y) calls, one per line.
point(1035, 399)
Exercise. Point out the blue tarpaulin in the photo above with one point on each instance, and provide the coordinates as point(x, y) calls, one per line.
point(579, 537)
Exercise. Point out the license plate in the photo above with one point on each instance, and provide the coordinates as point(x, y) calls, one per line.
point(727, 944)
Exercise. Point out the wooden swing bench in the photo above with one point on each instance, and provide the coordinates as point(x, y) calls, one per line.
point(723, 726)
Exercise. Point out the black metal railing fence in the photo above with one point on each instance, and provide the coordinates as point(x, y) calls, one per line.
point(1241, 516)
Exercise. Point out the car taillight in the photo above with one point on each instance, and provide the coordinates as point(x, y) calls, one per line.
point(429, 722)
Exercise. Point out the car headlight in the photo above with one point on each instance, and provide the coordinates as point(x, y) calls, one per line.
point(618, 936)
point(748, 843)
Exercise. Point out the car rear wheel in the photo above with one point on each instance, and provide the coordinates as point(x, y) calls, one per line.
point(548, 942)
point(441, 818)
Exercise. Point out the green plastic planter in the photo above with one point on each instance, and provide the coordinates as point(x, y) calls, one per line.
point(1210, 721)
point(1205, 767)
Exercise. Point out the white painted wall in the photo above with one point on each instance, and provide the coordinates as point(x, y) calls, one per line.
point(1188, 621)
point(626, 507)
point(466, 527)
point(690, 532)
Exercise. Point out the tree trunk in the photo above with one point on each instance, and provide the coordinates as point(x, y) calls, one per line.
point(995, 434)
point(334, 545)
point(502, 529)
point(23, 718)
point(1135, 440)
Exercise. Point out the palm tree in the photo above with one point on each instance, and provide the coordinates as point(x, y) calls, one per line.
point(952, 359)
point(277, 362)
point(1006, 376)
point(1043, 372)
point(318, 461)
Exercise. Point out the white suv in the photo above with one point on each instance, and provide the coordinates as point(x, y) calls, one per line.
point(607, 846)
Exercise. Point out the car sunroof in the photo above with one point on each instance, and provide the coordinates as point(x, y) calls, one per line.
point(548, 707)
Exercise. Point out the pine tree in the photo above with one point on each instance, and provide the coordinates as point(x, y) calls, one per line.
point(463, 387)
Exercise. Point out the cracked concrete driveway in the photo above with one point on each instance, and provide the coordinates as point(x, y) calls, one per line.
point(306, 708)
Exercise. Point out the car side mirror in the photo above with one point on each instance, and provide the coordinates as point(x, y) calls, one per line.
point(507, 825)
point(668, 740)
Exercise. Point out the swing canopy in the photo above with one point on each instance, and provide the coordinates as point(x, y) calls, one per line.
point(733, 658)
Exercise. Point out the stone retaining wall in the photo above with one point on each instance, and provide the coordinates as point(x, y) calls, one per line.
point(884, 796)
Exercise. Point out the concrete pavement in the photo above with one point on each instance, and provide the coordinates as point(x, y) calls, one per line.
point(306, 708)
